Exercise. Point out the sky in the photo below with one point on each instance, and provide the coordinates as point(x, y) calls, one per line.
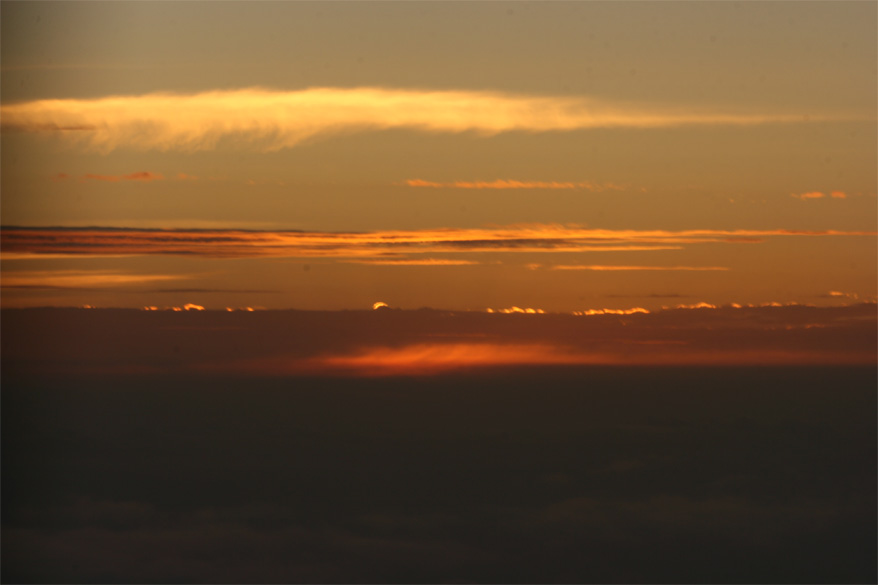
point(563, 157)
point(420, 292)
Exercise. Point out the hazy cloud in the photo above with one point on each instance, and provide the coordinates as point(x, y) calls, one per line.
point(144, 176)
point(515, 184)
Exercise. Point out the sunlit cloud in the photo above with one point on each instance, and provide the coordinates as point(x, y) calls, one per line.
point(514, 184)
point(412, 262)
point(840, 294)
point(272, 119)
point(819, 195)
point(384, 246)
point(77, 279)
point(631, 311)
point(601, 267)
point(700, 305)
point(514, 309)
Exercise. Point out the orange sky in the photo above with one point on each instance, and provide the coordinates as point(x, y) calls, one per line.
point(567, 157)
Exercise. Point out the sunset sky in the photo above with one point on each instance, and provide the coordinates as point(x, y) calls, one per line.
point(439, 292)
point(463, 156)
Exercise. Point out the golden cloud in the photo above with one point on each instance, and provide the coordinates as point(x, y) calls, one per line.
point(275, 120)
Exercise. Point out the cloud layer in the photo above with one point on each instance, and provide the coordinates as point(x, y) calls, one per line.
point(282, 119)
point(386, 246)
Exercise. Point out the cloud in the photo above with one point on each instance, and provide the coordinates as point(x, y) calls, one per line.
point(819, 195)
point(144, 176)
point(631, 311)
point(423, 359)
point(614, 268)
point(384, 246)
point(413, 262)
point(77, 279)
point(273, 119)
point(515, 184)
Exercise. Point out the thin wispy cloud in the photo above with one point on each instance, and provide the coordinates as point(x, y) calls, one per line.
point(413, 262)
point(141, 176)
point(602, 267)
point(515, 184)
point(272, 120)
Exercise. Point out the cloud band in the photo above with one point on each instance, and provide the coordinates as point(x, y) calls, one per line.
point(283, 119)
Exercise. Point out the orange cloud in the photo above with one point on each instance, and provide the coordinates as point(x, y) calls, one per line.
point(424, 359)
point(631, 311)
point(379, 245)
point(274, 120)
point(413, 262)
point(145, 176)
point(514, 184)
point(819, 195)
point(514, 309)
point(76, 279)
point(613, 268)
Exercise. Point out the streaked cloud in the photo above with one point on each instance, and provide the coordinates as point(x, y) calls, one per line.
point(819, 195)
point(515, 184)
point(274, 119)
point(77, 279)
point(142, 176)
point(383, 246)
point(601, 267)
point(412, 262)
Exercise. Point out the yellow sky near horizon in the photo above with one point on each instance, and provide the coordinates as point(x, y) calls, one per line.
point(404, 120)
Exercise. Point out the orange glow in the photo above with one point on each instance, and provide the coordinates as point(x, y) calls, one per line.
point(514, 309)
point(428, 359)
